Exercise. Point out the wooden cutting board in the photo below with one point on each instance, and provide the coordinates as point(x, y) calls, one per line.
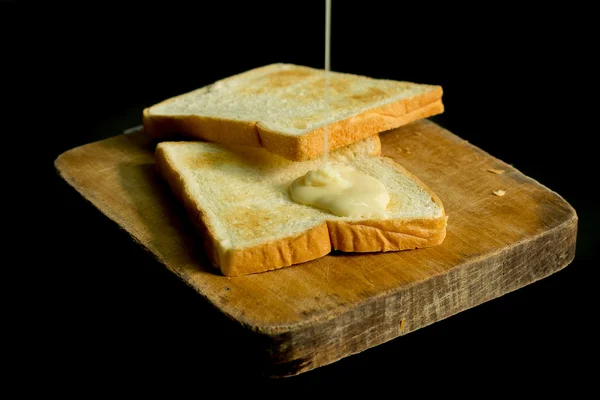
point(309, 315)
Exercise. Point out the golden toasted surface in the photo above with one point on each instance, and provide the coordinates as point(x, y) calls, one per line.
point(283, 104)
point(239, 197)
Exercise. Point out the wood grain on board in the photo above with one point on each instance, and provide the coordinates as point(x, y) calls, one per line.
point(505, 231)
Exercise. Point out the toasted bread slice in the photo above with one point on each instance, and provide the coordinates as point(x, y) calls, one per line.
point(280, 107)
point(239, 199)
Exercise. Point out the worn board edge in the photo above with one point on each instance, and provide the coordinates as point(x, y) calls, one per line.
point(509, 269)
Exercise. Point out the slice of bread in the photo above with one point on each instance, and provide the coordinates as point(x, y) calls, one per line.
point(280, 107)
point(239, 199)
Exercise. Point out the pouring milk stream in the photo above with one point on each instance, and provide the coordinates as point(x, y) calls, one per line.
point(339, 189)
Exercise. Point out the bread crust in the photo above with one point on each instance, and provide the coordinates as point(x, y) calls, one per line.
point(347, 236)
point(206, 128)
point(197, 215)
point(344, 132)
point(296, 147)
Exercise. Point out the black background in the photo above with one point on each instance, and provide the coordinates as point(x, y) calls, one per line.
point(516, 81)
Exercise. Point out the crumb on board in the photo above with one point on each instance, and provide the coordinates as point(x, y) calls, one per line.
point(496, 171)
point(499, 192)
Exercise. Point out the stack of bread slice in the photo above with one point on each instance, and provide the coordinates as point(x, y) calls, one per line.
point(230, 150)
